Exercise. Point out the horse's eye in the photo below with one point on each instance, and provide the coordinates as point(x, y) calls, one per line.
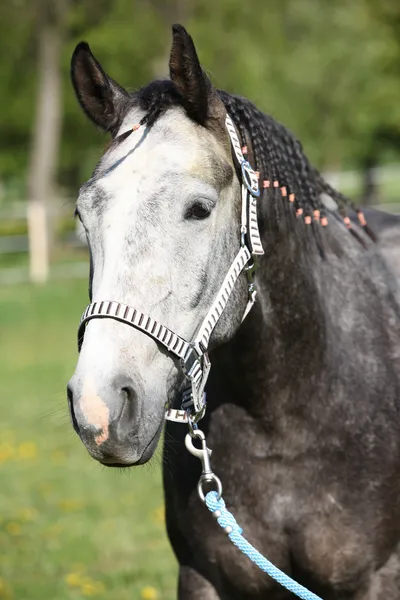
point(198, 211)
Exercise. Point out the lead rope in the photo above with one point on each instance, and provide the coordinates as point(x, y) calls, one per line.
point(227, 521)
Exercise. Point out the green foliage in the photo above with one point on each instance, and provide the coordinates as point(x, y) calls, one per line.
point(328, 70)
point(69, 529)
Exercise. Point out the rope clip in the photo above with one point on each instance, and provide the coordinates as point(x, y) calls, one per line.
point(204, 454)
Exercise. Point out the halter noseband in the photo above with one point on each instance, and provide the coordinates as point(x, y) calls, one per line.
point(193, 355)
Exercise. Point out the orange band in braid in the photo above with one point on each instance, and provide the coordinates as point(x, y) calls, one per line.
point(361, 218)
point(347, 222)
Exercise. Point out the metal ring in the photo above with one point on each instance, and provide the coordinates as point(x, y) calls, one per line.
point(249, 179)
point(211, 478)
point(193, 419)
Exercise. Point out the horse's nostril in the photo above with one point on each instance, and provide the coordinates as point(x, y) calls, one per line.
point(70, 396)
point(128, 392)
point(129, 408)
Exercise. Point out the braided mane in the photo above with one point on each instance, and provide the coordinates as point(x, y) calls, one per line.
point(278, 156)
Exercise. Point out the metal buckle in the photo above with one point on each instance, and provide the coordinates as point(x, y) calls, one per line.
point(190, 361)
point(249, 179)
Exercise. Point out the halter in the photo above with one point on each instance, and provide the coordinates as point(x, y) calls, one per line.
point(193, 355)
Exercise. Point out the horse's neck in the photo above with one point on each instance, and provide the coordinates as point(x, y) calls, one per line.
point(283, 338)
point(315, 319)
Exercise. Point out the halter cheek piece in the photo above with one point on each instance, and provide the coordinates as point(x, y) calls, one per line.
point(193, 355)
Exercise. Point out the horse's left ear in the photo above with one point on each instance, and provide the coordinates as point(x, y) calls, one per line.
point(200, 99)
point(102, 99)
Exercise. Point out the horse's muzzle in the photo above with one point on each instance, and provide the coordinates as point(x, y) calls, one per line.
point(107, 421)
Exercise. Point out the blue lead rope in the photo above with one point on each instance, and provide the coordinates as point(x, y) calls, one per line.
point(228, 522)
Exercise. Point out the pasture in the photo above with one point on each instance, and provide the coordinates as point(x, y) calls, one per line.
point(69, 528)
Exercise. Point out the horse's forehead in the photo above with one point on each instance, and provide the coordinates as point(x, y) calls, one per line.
point(155, 156)
point(174, 141)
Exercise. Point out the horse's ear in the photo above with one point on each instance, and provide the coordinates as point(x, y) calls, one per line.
point(200, 99)
point(102, 99)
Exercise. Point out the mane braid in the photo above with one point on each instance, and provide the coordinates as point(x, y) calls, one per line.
point(278, 157)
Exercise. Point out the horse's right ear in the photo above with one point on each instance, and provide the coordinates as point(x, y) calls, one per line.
point(102, 99)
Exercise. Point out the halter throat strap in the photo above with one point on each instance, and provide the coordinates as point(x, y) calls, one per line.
point(193, 355)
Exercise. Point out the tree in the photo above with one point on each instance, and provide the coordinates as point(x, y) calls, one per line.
point(51, 18)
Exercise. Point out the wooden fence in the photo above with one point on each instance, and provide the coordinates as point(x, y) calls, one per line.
point(68, 241)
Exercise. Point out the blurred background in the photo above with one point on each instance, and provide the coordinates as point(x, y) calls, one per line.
point(328, 69)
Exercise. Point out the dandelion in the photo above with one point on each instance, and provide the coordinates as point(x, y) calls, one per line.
point(27, 451)
point(92, 588)
point(149, 593)
point(28, 514)
point(5, 593)
point(158, 515)
point(73, 579)
point(89, 589)
point(70, 505)
point(7, 452)
point(87, 586)
point(13, 528)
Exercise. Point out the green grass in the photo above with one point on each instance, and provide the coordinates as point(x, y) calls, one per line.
point(69, 528)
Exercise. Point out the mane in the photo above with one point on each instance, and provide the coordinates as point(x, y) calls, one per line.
point(277, 155)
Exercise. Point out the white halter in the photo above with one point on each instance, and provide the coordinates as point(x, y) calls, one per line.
point(193, 355)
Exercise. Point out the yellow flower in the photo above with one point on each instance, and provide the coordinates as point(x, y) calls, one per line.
point(149, 593)
point(27, 451)
point(6, 451)
point(70, 505)
point(158, 515)
point(13, 528)
point(73, 579)
point(92, 588)
point(5, 593)
point(28, 514)
point(89, 589)
point(88, 586)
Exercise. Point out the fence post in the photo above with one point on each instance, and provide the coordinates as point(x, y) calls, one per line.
point(38, 232)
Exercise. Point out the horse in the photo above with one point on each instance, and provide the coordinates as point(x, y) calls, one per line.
point(302, 408)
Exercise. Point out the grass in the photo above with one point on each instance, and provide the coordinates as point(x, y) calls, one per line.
point(69, 528)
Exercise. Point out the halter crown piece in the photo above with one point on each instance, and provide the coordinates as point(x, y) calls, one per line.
point(193, 355)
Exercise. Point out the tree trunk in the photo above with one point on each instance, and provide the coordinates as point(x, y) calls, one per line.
point(369, 194)
point(46, 136)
